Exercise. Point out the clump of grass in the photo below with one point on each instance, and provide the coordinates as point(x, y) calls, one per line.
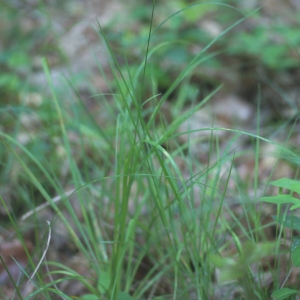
point(146, 217)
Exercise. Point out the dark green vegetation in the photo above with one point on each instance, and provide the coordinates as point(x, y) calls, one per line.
point(133, 159)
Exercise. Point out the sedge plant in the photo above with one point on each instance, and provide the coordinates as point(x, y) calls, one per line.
point(143, 226)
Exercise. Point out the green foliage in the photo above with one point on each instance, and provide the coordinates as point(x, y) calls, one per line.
point(22, 41)
point(239, 269)
point(260, 44)
point(270, 46)
point(284, 293)
point(287, 183)
point(296, 256)
point(292, 222)
point(119, 171)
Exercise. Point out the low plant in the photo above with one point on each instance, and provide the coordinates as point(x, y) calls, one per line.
point(287, 221)
point(141, 225)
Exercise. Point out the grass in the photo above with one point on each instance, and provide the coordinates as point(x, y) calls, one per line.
point(143, 215)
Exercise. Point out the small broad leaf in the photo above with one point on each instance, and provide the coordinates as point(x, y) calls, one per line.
point(281, 199)
point(104, 282)
point(284, 293)
point(296, 243)
point(296, 256)
point(89, 297)
point(295, 206)
point(235, 269)
point(124, 296)
point(287, 183)
point(291, 222)
point(228, 267)
point(221, 262)
point(296, 187)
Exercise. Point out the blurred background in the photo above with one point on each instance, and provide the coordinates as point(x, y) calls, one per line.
point(257, 59)
point(262, 50)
